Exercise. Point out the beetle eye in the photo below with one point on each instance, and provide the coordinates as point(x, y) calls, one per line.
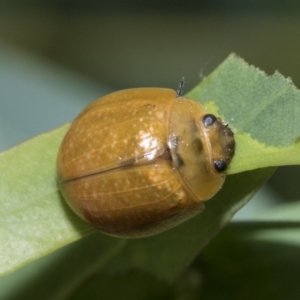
point(220, 165)
point(209, 119)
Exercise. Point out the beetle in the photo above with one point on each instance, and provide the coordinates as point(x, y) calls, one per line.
point(140, 161)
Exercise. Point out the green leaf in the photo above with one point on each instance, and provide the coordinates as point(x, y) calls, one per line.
point(59, 274)
point(35, 219)
point(263, 111)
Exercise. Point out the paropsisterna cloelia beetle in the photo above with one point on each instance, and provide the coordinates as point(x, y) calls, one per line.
point(139, 161)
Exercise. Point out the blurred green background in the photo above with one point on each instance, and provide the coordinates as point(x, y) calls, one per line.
point(57, 56)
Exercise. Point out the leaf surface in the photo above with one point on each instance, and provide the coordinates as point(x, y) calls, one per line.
point(35, 219)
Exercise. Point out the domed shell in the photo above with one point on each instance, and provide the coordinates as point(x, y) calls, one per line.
point(139, 161)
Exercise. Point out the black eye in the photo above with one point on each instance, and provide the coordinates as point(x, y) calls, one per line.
point(209, 119)
point(220, 165)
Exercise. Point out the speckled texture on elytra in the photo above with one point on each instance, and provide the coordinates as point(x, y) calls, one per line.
point(113, 134)
point(130, 166)
point(140, 195)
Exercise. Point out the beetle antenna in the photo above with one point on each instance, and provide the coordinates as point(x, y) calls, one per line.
point(180, 87)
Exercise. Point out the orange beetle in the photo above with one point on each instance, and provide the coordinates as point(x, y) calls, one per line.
point(139, 161)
